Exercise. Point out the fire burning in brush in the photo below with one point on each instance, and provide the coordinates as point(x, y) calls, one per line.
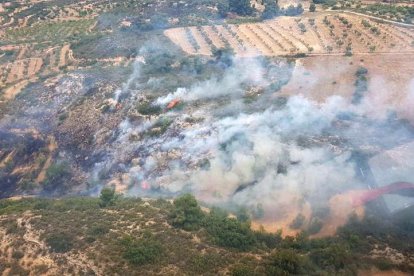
point(173, 104)
point(145, 185)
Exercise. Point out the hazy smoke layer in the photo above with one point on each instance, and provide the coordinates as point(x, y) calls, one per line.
point(244, 70)
point(244, 156)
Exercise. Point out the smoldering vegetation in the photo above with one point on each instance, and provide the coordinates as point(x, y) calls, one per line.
point(232, 139)
point(218, 127)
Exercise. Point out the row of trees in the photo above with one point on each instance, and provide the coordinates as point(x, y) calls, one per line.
point(244, 8)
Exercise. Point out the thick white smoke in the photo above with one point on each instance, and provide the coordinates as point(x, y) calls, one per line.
point(242, 71)
point(272, 155)
point(259, 152)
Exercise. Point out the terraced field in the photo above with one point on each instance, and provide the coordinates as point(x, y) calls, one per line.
point(49, 32)
point(321, 34)
point(16, 74)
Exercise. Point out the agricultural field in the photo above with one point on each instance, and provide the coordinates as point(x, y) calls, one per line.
point(321, 34)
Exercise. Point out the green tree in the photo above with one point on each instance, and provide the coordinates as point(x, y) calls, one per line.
point(312, 7)
point(223, 8)
point(336, 256)
point(186, 213)
point(241, 7)
point(229, 232)
point(142, 251)
point(107, 197)
point(56, 175)
point(285, 262)
point(224, 56)
point(271, 9)
point(243, 215)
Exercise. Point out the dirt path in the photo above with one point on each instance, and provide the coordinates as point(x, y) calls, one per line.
point(7, 159)
point(63, 54)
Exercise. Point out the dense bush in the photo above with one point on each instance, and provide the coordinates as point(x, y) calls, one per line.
point(312, 7)
point(60, 242)
point(142, 251)
point(361, 85)
point(241, 7)
point(229, 232)
point(147, 108)
point(361, 71)
point(56, 175)
point(223, 56)
point(186, 213)
point(293, 10)
point(335, 256)
point(286, 262)
point(107, 197)
point(158, 63)
point(271, 9)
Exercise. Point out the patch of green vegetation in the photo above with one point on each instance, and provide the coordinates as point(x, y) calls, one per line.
point(361, 85)
point(399, 13)
point(141, 251)
point(107, 197)
point(56, 31)
point(160, 127)
point(229, 232)
point(146, 108)
point(186, 213)
point(59, 242)
point(133, 237)
point(286, 262)
point(202, 263)
point(56, 174)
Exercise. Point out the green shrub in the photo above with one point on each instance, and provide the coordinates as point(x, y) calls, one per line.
point(207, 262)
point(147, 108)
point(361, 71)
point(229, 232)
point(312, 7)
point(285, 262)
point(56, 174)
point(107, 197)
point(98, 230)
point(242, 270)
point(143, 251)
point(160, 126)
point(60, 242)
point(186, 213)
point(336, 256)
point(17, 254)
